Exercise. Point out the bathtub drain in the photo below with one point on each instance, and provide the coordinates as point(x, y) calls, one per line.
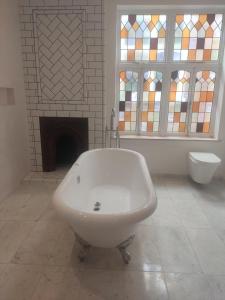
point(97, 206)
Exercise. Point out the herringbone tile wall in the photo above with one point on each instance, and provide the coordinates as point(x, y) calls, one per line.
point(60, 54)
point(62, 44)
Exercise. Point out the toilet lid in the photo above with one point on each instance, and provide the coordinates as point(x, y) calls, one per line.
point(205, 157)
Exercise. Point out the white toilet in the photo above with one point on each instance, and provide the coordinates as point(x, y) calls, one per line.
point(202, 166)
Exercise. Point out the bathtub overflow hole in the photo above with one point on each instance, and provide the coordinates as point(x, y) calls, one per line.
point(96, 208)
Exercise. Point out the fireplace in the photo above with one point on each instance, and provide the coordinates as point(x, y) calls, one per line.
point(62, 141)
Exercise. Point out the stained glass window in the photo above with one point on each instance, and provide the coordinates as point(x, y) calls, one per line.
point(178, 101)
point(202, 102)
point(152, 89)
point(142, 37)
point(172, 60)
point(128, 100)
point(197, 37)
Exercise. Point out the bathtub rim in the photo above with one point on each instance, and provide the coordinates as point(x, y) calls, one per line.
point(134, 215)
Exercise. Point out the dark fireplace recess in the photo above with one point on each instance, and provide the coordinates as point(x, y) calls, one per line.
point(62, 140)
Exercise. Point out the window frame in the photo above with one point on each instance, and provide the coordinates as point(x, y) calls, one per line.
point(166, 67)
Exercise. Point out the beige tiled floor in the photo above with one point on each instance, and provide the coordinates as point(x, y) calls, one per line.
point(178, 253)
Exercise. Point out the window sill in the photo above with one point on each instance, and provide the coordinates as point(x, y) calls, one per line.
point(167, 138)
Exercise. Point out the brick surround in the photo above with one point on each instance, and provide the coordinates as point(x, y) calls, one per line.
point(62, 45)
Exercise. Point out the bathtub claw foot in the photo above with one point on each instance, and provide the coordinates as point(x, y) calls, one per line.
point(85, 247)
point(123, 249)
point(125, 256)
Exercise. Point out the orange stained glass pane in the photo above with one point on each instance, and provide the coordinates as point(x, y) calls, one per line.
point(121, 126)
point(151, 106)
point(139, 43)
point(135, 26)
point(127, 116)
point(195, 106)
point(151, 25)
point(155, 19)
point(209, 96)
point(150, 126)
point(207, 54)
point(146, 85)
point(151, 96)
point(176, 117)
point(182, 127)
point(186, 33)
point(202, 19)
point(192, 54)
point(185, 43)
point(209, 32)
point(122, 75)
point(124, 33)
point(162, 33)
point(198, 25)
point(130, 54)
point(206, 127)
point(152, 54)
point(172, 96)
point(179, 18)
point(144, 116)
point(203, 96)
point(173, 87)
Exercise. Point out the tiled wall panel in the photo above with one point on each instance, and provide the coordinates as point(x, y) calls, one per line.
point(62, 44)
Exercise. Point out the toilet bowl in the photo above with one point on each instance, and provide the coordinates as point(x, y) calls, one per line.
point(202, 166)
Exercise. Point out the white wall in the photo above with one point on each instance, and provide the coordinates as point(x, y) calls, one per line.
point(13, 131)
point(163, 156)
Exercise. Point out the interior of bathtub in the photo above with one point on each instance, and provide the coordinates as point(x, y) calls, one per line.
point(108, 182)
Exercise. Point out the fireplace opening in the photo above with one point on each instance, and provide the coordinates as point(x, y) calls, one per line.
point(62, 141)
point(66, 151)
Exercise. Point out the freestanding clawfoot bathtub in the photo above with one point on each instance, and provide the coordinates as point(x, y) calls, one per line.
point(105, 194)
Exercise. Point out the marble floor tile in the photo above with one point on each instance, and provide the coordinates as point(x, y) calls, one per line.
point(188, 286)
point(175, 250)
point(17, 282)
point(37, 187)
point(217, 287)
point(110, 285)
point(24, 207)
point(49, 243)
point(210, 250)
point(50, 214)
point(190, 213)
point(215, 213)
point(165, 214)
point(12, 235)
point(57, 283)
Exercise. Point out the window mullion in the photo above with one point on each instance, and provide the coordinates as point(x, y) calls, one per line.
point(170, 35)
point(190, 99)
point(166, 74)
point(139, 98)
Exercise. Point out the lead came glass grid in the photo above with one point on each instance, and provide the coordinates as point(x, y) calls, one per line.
point(128, 100)
point(152, 89)
point(142, 37)
point(202, 102)
point(197, 37)
point(178, 101)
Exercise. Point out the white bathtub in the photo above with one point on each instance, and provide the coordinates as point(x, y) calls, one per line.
point(116, 178)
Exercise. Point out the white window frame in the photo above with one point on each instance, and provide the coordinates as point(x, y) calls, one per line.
point(167, 67)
